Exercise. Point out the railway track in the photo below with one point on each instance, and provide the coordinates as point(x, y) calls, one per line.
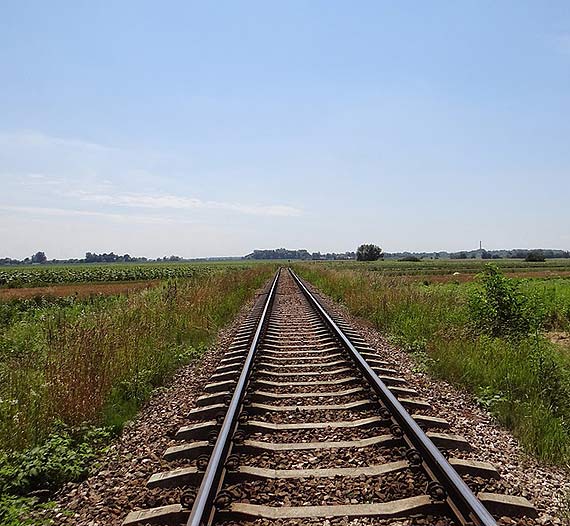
point(302, 423)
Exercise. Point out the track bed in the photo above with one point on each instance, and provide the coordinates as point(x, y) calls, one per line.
point(302, 423)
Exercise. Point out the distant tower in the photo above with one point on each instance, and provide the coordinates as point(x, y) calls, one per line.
point(480, 245)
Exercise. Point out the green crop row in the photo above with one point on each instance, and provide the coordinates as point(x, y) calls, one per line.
point(36, 276)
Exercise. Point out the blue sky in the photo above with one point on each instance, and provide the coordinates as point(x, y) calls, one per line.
point(204, 129)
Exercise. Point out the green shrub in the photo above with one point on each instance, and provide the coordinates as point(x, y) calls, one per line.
point(498, 308)
point(65, 456)
point(14, 511)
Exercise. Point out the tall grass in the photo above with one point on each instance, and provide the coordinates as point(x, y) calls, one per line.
point(522, 378)
point(97, 361)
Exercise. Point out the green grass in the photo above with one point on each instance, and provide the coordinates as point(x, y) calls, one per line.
point(75, 360)
point(74, 370)
point(498, 352)
point(435, 267)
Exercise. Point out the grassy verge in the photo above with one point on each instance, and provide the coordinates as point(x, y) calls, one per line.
point(74, 370)
point(486, 336)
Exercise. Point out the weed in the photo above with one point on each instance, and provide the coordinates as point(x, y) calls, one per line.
point(498, 308)
point(14, 511)
point(96, 360)
point(488, 398)
point(64, 456)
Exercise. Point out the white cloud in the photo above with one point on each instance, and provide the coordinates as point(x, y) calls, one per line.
point(137, 200)
point(94, 173)
point(66, 212)
point(36, 179)
point(37, 139)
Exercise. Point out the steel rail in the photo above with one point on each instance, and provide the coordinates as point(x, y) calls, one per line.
point(202, 508)
point(462, 501)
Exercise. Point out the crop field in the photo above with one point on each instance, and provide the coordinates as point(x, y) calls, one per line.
point(77, 290)
point(505, 339)
point(442, 267)
point(34, 276)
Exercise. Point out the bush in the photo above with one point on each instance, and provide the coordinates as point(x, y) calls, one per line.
point(412, 259)
point(65, 456)
point(14, 511)
point(498, 308)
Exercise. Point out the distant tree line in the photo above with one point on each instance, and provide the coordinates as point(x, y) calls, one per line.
point(279, 253)
point(480, 254)
point(37, 258)
point(302, 254)
point(333, 256)
point(90, 257)
point(518, 253)
point(483, 254)
point(366, 252)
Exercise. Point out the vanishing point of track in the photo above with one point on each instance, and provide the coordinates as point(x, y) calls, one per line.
point(303, 423)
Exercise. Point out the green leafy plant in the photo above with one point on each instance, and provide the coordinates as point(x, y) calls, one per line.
point(29, 477)
point(65, 456)
point(14, 511)
point(488, 398)
point(498, 308)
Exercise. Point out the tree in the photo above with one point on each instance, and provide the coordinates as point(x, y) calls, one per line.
point(39, 257)
point(369, 252)
point(535, 256)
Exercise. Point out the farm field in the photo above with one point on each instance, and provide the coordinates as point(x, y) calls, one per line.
point(75, 368)
point(504, 339)
point(464, 267)
point(79, 290)
point(48, 274)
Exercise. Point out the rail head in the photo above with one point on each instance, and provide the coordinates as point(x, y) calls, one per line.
point(203, 507)
point(460, 498)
